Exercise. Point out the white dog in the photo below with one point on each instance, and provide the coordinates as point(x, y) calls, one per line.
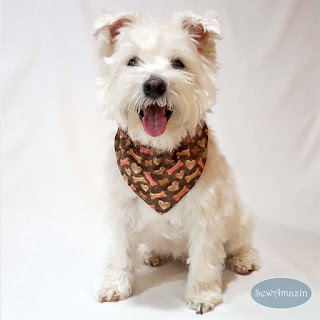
point(158, 83)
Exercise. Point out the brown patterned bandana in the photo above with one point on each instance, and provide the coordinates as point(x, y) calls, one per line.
point(161, 179)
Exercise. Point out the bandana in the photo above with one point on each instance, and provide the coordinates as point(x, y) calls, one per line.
point(162, 179)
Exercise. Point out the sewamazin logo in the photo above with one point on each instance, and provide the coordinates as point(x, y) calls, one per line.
point(281, 293)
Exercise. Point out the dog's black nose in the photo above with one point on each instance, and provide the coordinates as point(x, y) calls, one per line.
point(154, 87)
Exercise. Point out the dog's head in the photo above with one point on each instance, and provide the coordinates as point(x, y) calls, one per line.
point(157, 80)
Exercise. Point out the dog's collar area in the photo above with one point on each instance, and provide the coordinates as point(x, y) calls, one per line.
point(162, 179)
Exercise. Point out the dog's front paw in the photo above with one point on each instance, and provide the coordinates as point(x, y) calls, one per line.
point(204, 302)
point(202, 307)
point(109, 293)
point(116, 287)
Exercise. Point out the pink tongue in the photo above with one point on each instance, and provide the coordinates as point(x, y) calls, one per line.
point(154, 120)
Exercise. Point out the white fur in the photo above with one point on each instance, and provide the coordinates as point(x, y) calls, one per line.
point(210, 223)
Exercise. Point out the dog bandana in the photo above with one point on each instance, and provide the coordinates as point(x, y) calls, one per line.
point(161, 179)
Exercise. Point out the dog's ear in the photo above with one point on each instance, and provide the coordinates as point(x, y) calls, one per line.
point(107, 27)
point(203, 30)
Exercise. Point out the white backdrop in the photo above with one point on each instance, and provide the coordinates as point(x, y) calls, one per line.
point(54, 234)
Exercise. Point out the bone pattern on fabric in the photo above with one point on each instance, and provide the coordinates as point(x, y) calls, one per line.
point(162, 179)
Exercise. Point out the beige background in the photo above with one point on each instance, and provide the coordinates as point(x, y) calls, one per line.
point(266, 120)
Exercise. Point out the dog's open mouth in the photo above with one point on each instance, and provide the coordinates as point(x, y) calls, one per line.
point(154, 119)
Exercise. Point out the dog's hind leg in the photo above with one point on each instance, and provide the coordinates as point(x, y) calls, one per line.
point(242, 258)
point(150, 257)
point(153, 260)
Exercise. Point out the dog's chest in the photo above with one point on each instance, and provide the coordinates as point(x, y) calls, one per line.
point(163, 232)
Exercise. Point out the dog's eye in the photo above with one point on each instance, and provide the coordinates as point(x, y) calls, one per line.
point(133, 62)
point(177, 64)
